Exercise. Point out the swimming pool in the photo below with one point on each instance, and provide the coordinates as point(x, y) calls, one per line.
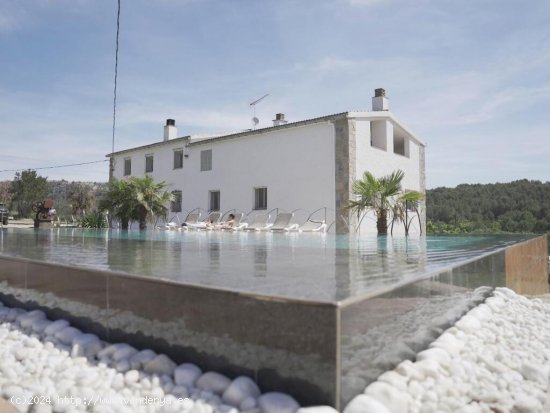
point(306, 266)
point(315, 315)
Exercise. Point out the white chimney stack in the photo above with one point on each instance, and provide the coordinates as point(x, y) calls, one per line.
point(279, 119)
point(380, 101)
point(170, 130)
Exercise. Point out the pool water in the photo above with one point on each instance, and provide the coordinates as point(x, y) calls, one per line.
point(305, 266)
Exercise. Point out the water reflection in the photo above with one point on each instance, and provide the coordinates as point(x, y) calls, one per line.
point(308, 266)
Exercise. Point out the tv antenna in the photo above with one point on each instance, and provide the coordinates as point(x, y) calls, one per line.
point(255, 120)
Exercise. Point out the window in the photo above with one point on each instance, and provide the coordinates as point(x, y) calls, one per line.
point(378, 134)
point(127, 166)
point(214, 200)
point(401, 145)
point(148, 163)
point(206, 160)
point(176, 203)
point(260, 198)
point(178, 158)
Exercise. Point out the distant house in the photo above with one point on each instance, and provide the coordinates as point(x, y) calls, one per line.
point(305, 165)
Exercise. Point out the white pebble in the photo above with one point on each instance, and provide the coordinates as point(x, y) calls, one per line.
point(123, 353)
point(275, 402)
point(389, 396)
point(161, 364)
point(317, 409)
point(55, 326)
point(138, 360)
point(214, 382)
point(67, 335)
point(239, 389)
point(187, 374)
point(248, 404)
point(365, 404)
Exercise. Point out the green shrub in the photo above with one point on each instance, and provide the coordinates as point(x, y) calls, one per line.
point(94, 219)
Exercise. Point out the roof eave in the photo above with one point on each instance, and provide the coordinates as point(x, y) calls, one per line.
point(151, 145)
point(383, 114)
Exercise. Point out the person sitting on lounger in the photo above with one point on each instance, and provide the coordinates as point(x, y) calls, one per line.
point(229, 224)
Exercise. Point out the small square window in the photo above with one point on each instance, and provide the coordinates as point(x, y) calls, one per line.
point(176, 203)
point(206, 160)
point(178, 159)
point(127, 166)
point(214, 200)
point(260, 198)
point(148, 163)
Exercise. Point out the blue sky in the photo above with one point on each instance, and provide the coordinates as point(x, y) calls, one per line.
point(470, 78)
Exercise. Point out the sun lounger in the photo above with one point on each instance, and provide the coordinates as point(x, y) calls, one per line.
point(173, 224)
point(312, 226)
point(191, 219)
point(259, 223)
point(209, 222)
point(282, 222)
point(237, 224)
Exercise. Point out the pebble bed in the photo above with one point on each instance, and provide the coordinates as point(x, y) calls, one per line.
point(495, 359)
point(50, 366)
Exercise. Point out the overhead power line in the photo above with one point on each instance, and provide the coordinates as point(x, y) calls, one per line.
point(53, 167)
point(111, 161)
point(116, 75)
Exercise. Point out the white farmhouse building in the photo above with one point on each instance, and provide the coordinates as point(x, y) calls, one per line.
point(306, 165)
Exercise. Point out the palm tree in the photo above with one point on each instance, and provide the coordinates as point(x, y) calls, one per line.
point(151, 200)
point(378, 195)
point(138, 199)
point(406, 202)
point(118, 201)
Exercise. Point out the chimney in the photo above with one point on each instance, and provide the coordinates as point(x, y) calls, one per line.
point(279, 119)
point(380, 101)
point(170, 130)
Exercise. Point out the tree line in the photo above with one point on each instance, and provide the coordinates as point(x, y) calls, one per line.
point(134, 199)
point(70, 198)
point(519, 206)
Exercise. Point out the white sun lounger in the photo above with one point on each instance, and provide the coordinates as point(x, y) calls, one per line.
point(282, 222)
point(259, 223)
point(312, 226)
point(210, 221)
point(191, 219)
point(237, 224)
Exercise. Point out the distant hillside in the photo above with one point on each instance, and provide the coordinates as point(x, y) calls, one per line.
point(519, 206)
point(70, 198)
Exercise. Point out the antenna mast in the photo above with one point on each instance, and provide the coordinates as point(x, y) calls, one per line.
point(255, 120)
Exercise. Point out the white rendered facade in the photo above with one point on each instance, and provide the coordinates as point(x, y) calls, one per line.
point(304, 165)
